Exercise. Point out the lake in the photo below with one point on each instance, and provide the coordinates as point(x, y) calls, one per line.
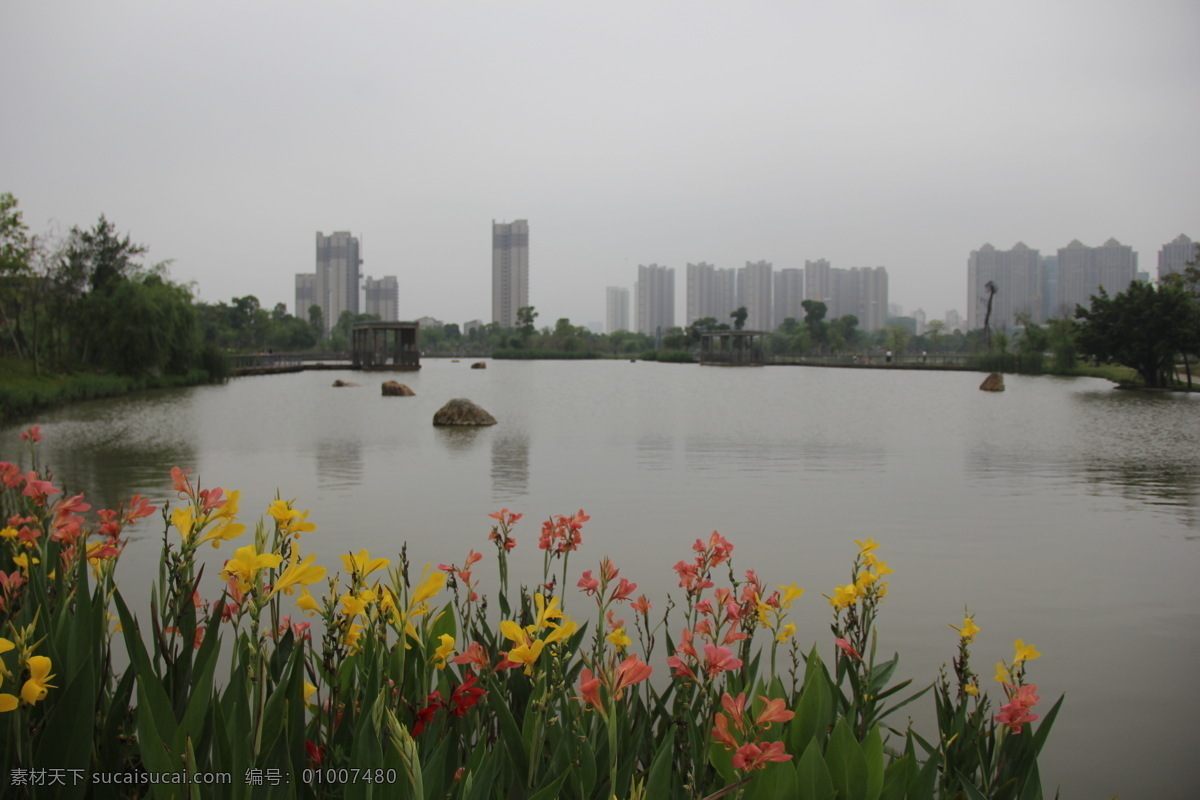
point(1060, 511)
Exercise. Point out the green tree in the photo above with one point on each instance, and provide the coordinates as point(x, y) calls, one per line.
point(525, 317)
point(14, 268)
point(739, 318)
point(1143, 328)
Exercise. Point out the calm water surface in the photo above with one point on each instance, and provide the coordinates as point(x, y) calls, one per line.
point(1061, 511)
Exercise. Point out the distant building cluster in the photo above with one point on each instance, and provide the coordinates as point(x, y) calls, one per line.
point(1022, 283)
point(335, 285)
point(769, 296)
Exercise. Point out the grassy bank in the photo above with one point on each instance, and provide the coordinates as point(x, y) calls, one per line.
point(24, 393)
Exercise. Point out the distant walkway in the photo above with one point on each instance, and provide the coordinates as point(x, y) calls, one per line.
point(941, 363)
point(277, 363)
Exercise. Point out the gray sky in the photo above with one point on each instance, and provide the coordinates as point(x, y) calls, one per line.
point(904, 134)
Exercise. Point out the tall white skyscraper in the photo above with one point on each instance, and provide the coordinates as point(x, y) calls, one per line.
point(1082, 270)
point(655, 298)
point(616, 309)
point(510, 270)
point(335, 283)
point(711, 292)
point(383, 298)
point(756, 285)
point(1174, 257)
point(789, 294)
point(1017, 275)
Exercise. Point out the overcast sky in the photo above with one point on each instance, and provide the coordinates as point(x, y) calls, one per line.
point(901, 134)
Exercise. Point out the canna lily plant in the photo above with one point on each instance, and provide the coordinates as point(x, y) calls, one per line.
point(396, 685)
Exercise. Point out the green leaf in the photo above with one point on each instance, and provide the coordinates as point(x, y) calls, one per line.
point(813, 781)
point(846, 762)
point(510, 733)
point(873, 753)
point(658, 785)
point(551, 791)
point(814, 711)
point(897, 777)
point(66, 740)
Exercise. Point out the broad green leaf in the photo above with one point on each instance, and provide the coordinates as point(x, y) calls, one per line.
point(847, 765)
point(813, 781)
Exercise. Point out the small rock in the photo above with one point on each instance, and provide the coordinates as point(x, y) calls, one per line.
point(993, 383)
point(339, 383)
point(461, 411)
point(393, 389)
point(479, 365)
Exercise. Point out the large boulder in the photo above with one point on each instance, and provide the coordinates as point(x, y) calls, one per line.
point(993, 383)
point(461, 411)
point(393, 389)
point(479, 365)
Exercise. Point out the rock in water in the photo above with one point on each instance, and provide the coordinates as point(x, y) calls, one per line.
point(393, 389)
point(993, 383)
point(340, 383)
point(479, 365)
point(461, 411)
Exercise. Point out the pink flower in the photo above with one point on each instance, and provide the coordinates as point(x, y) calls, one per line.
point(848, 648)
point(33, 435)
point(773, 711)
point(1016, 713)
point(642, 604)
point(623, 590)
point(589, 584)
point(751, 756)
point(589, 687)
point(629, 672)
point(719, 659)
point(474, 656)
point(38, 490)
point(180, 482)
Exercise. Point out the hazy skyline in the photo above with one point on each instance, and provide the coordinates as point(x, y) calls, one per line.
point(903, 135)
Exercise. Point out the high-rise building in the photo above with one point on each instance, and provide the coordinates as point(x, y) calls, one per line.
point(510, 271)
point(1050, 305)
point(1083, 270)
point(337, 276)
point(1174, 257)
point(757, 278)
point(1017, 277)
point(818, 281)
point(655, 298)
point(306, 294)
point(383, 298)
point(789, 294)
point(711, 292)
point(863, 292)
point(616, 307)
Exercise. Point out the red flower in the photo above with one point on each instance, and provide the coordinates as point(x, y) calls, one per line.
point(474, 655)
point(464, 696)
point(751, 756)
point(848, 648)
point(33, 435)
point(316, 754)
point(1016, 713)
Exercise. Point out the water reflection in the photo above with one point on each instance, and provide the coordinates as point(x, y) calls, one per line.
point(339, 463)
point(510, 465)
point(459, 439)
point(656, 451)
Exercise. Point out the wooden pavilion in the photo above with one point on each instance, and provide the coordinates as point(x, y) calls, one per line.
point(732, 348)
point(385, 346)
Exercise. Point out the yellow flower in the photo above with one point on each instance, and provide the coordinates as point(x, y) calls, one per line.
point(298, 573)
point(431, 584)
point(788, 632)
point(1024, 652)
point(563, 631)
point(39, 680)
point(363, 564)
point(22, 561)
point(844, 596)
point(866, 547)
point(184, 519)
point(8, 702)
point(971, 689)
point(352, 635)
point(352, 606)
point(443, 651)
point(546, 613)
point(309, 691)
point(299, 524)
point(9, 533)
point(5, 646)
point(968, 629)
point(514, 632)
point(246, 563)
point(225, 529)
point(618, 639)
point(881, 568)
point(281, 510)
point(1002, 675)
point(307, 603)
point(527, 654)
point(865, 579)
point(790, 593)
point(229, 508)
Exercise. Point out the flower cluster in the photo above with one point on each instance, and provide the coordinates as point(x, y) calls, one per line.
point(744, 732)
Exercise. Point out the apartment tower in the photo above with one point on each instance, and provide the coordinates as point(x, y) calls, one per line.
point(1018, 277)
point(510, 270)
point(655, 298)
point(617, 309)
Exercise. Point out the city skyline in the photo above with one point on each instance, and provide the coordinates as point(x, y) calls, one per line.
point(875, 138)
